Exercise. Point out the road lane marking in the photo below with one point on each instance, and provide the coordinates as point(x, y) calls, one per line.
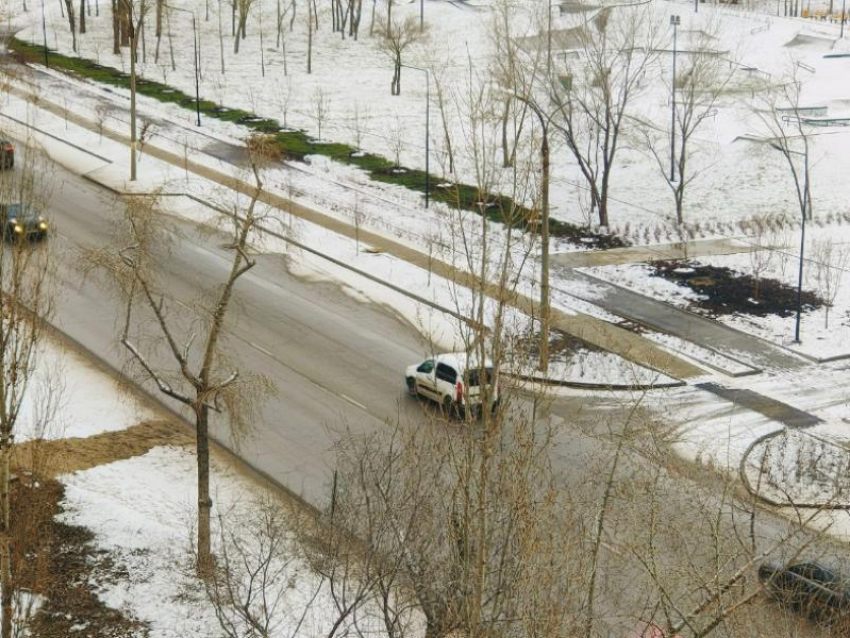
point(322, 387)
point(353, 402)
point(261, 349)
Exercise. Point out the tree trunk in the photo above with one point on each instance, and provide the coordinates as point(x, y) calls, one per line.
point(205, 562)
point(5, 537)
point(355, 19)
point(395, 88)
point(220, 38)
point(69, 5)
point(309, 39)
point(159, 4)
point(603, 211)
point(116, 29)
point(124, 24)
point(133, 41)
point(82, 16)
point(507, 159)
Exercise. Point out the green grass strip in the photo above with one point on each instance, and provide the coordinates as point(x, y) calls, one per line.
point(296, 144)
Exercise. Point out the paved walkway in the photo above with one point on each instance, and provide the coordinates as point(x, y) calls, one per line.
point(600, 333)
point(788, 415)
point(665, 317)
point(657, 252)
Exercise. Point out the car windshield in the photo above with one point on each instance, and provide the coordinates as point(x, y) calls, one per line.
point(22, 213)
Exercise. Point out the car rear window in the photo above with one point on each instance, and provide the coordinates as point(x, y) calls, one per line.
point(475, 376)
point(446, 373)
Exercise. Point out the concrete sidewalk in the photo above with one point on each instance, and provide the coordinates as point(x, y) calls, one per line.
point(656, 252)
point(599, 333)
point(688, 326)
point(787, 415)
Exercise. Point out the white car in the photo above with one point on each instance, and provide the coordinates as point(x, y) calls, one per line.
point(454, 381)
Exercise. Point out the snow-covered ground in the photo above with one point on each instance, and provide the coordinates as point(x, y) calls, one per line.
point(737, 178)
point(70, 396)
point(141, 511)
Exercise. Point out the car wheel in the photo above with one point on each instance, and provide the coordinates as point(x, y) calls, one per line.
point(411, 386)
point(448, 407)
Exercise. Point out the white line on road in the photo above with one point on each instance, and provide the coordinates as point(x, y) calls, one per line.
point(356, 404)
point(261, 349)
point(353, 402)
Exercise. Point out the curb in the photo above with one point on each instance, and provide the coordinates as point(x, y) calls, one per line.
point(581, 385)
point(742, 474)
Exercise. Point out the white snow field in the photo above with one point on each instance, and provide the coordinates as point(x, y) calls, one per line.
point(69, 396)
point(141, 511)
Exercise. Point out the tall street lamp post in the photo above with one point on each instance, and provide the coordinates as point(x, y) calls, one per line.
point(427, 129)
point(675, 21)
point(807, 204)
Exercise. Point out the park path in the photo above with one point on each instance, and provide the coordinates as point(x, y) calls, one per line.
point(664, 317)
point(655, 252)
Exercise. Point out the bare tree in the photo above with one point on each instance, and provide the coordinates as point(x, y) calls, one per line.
point(396, 38)
point(243, 8)
point(762, 255)
point(360, 124)
point(593, 95)
point(321, 109)
point(284, 99)
point(698, 87)
point(830, 260)
point(396, 140)
point(193, 369)
point(779, 111)
point(437, 61)
point(312, 23)
point(69, 5)
point(255, 568)
point(25, 301)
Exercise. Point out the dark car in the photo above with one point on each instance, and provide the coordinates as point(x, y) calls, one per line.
point(810, 589)
point(7, 154)
point(22, 222)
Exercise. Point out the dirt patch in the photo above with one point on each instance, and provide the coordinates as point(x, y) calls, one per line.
point(62, 456)
point(60, 564)
point(725, 291)
point(562, 346)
